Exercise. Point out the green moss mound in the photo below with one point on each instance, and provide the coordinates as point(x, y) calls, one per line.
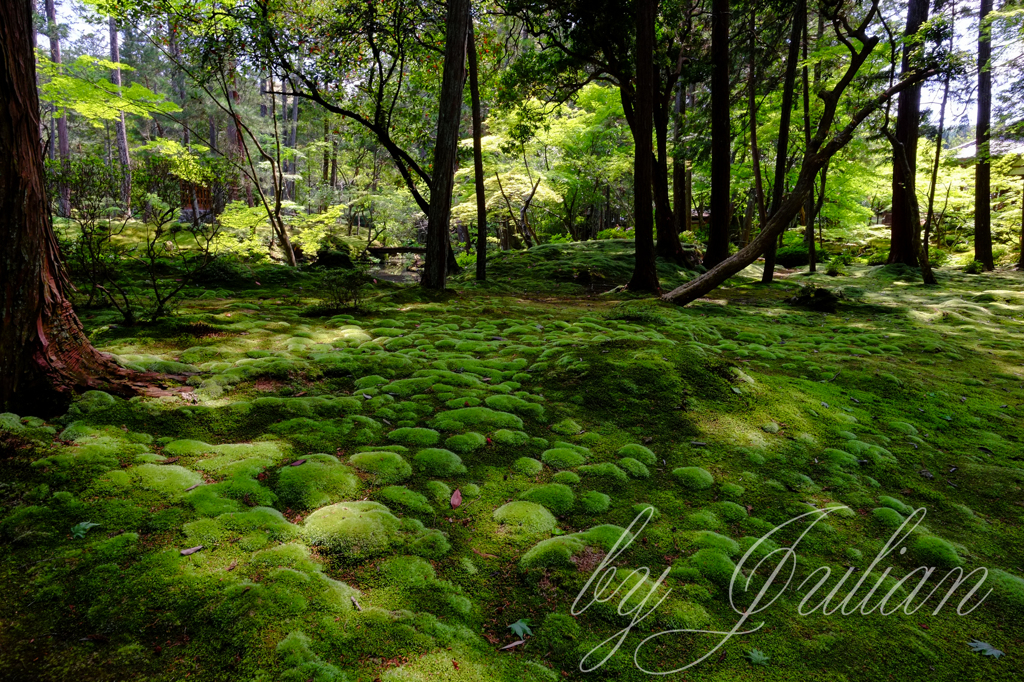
point(935, 551)
point(466, 442)
point(415, 436)
point(566, 477)
point(634, 468)
point(383, 467)
point(354, 530)
point(638, 452)
point(510, 438)
point(562, 458)
point(439, 462)
point(318, 481)
point(402, 496)
point(527, 466)
point(557, 497)
point(594, 502)
point(694, 478)
point(524, 517)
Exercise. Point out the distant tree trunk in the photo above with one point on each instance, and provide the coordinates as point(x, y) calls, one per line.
point(930, 215)
point(45, 355)
point(680, 203)
point(755, 151)
point(478, 160)
point(809, 231)
point(446, 145)
point(63, 145)
point(721, 142)
point(983, 169)
point(122, 132)
point(904, 187)
point(325, 169)
point(645, 273)
point(782, 148)
point(668, 245)
point(293, 133)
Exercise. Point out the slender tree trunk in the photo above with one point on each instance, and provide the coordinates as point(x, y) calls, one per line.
point(325, 170)
point(446, 145)
point(782, 148)
point(809, 231)
point(930, 215)
point(45, 355)
point(122, 132)
point(983, 169)
point(478, 160)
point(668, 245)
point(680, 206)
point(755, 151)
point(63, 145)
point(645, 273)
point(1020, 259)
point(904, 187)
point(721, 135)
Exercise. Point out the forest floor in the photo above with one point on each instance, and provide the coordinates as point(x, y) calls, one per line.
point(381, 494)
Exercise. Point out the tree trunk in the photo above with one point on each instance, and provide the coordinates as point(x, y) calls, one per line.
point(122, 132)
point(904, 187)
point(45, 355)
point(446, 145)
point(782, 148)
point(755, 152)
point(63, 145)
point(668, 245)
point(930, 215)
point(680, 205)
point(645, 273)
point(478, 161)
point(809, 231)
point(326, 168)
point(293, 133)
point(721, 142)
point(983, 169)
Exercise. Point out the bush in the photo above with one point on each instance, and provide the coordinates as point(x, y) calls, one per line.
point(340, 289)
point(975, 267)
point(793, 256)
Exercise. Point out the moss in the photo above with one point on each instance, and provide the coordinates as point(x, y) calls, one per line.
point(384, 467)
point(402, 496)
point(438, 490)
point(712, 540)
point(415, 436)
point(558, 632)
point(638, 452)
point(524, 517)
point(353, 530)
point(887, 517)
point(605, 470)
point(508, 403)
point(713, 565)
point(1008, 587)
point(634, 467)
point(566, 477)
point(893, 503)
point(318, 481)
point(562, 458)
point(457, 420)
point(594, 502)
point(732, 490)
point(167, 479)
point(466, 442)
point(527, 466)
point(567, 427)
point(694, 478)
point(839, 457)
point(935, 551)
point(730, 511)
point(510, 438)
point(302, 664)
point(557, 497)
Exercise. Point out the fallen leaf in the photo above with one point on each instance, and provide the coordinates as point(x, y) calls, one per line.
point(455, 664)
point(170, 460)
point(233, 565)
point(298, 462)
point(483, 554)
point(513, 644)
point(456, 498)
point(193, 487)
point(191, 550)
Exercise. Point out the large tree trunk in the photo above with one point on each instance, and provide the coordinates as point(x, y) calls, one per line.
point(721, 143)
point(645, 273)
point(668, 245)
point(45, 355)
point(122, 131)
point(904, 186)
point(446, 145)
point(782, 148)
point(983, 169)
point(63, 145)
point(478, 160)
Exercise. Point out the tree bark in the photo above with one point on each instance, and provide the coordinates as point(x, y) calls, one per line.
point(782, 147)
point(122, 131)
point(755, 152)
point(668, 245)
point(63, 145)
point(446, 145)
point(721, 142)
point(904, 187)
point(809, 231)
point(45, 355)
point(930, 215)
point(478, 160)
point(645, 273)
point(983, 169)
point(680, 203)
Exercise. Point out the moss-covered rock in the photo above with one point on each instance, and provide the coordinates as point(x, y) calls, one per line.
point(354, 530)
point(383, 467)
point(524, 517)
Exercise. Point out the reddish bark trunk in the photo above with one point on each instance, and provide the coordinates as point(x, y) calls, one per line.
point(44, 353)
point(645, 273)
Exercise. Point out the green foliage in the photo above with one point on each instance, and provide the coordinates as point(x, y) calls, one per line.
point(81, 528)
point(521, 628)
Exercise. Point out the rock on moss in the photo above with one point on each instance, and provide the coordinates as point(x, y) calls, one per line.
point(439, 462)
point(525, 517)
point(557, 497)
point(385, 467)
point(527, 466)
point(638, 452)
point(694, 478)
point(562, 458)
point(594, 502)
point(354, 530)
point(415, 436)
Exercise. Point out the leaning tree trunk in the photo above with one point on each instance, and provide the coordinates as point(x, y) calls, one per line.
point(721, 154)
point(645, 272)
point(904, 230)
point(446, 145)
point(122, 132)
point(45, 355)
point(983, 168)
point(478, 161)
point(782, 148)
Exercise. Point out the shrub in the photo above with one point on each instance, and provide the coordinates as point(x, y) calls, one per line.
point(975, 267)
point(340, 289)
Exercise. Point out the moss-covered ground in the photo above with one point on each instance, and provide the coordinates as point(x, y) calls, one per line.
point(315, 462)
